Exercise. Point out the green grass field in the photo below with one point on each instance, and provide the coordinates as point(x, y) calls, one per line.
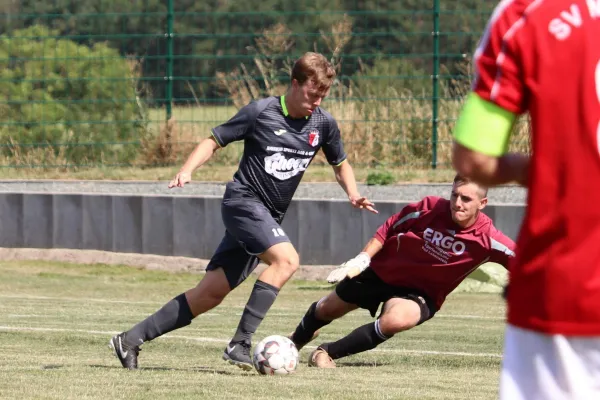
point(56, 320)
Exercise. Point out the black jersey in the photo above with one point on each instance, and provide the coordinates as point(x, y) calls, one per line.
point(278, 149)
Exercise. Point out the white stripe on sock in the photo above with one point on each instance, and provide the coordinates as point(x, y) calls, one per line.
point(378, 331)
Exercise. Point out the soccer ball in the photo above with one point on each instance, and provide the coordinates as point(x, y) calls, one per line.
point(275, 355)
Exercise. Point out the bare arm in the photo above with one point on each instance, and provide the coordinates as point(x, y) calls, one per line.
point(372, 247)
point(344, 174)
point(201, 154)
point(490, 170)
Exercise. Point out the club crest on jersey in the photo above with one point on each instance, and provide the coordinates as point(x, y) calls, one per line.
point(313, 138)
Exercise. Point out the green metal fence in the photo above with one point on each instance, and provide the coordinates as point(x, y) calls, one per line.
point(122, 82)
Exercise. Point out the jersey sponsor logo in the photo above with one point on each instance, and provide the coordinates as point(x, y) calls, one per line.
point(280, 132)
point(445, 242)
point(284, 168)
point(313, 138)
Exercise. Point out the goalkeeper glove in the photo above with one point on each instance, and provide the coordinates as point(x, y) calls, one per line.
point(350, 268)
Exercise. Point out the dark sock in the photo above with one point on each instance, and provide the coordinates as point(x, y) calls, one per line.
point(173, 315)
point(364, 338)
point(308, 326)
point(261, 299)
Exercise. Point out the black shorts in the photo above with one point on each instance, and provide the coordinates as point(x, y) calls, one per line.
point(250, 231)
point(368, 291)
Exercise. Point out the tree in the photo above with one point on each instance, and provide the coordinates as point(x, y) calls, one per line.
point(85, 106)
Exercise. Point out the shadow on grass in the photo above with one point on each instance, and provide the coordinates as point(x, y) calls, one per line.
point(52, 366)
point(362, 364)
point(315, 288)
point(208, 370)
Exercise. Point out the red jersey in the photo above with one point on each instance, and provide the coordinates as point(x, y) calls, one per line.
point(424, 249)
point(543, 57)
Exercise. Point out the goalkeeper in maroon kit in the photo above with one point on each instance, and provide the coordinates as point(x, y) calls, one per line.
point(416, 258)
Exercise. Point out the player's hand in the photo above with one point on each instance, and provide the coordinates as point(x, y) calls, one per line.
point(180, 180)
point(363, 202)
point(350, 268)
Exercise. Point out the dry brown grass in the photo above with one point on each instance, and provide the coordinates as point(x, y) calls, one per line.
point(170, 144)
point(48, 158)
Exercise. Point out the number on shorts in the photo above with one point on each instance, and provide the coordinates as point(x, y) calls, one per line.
point(278, 232)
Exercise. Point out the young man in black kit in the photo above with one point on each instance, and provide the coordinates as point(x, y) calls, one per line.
point(281, 137)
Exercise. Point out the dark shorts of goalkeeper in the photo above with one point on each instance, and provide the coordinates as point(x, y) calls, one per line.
point(368, 291)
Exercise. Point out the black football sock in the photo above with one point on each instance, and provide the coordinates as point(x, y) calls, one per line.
point(308, 326)
point(364, 338)
point(261, 299)
point(173, 315)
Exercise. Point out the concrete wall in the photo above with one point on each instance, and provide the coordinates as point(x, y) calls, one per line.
point(324, 232)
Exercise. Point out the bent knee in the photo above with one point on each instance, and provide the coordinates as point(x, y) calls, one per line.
point(209, 296)
point(289, 263)
point(332, 307)
point(392, 323)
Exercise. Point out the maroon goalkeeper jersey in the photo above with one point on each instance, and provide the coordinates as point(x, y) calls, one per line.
point(424, 249)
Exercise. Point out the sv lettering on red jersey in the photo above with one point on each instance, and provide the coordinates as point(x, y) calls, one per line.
point(542, 57)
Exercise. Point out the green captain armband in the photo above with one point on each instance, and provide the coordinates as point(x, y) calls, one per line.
point(483, 126)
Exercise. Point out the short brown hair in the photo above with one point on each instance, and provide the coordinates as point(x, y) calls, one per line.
point(316, 68)
point(461, 180)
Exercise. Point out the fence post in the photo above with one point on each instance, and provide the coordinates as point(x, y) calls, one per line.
point(435, 81)
point(169, 76)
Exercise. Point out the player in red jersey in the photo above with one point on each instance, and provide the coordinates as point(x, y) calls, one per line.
point(543, 57)
point(416, 258)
